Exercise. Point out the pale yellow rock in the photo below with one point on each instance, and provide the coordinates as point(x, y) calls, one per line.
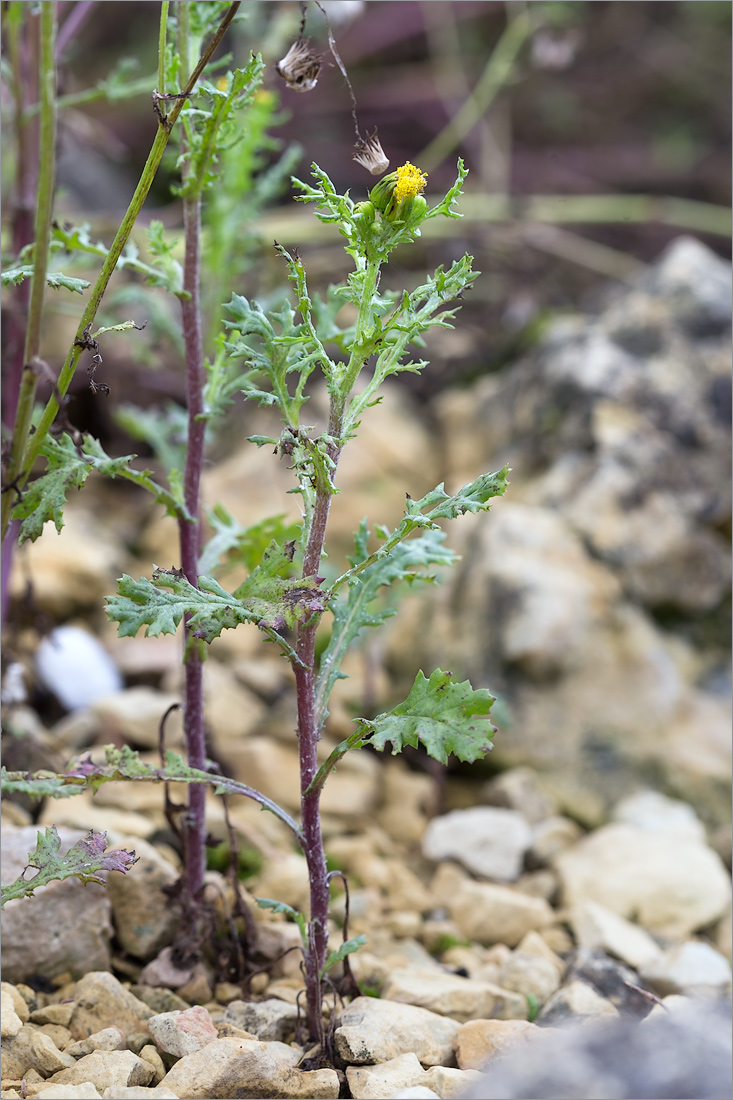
point(226, 1065)
point(480, 1041)
point(19, 1003)
point(107, 1068)
point(149, 1053)
point(53, 1014)
point(450, 995)
point(597, 927)
point(47, 1057)
point(84, 1091)
point(450, 1083)
point(10, 1021)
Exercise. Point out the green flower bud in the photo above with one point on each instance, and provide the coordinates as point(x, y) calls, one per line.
point(364, 213)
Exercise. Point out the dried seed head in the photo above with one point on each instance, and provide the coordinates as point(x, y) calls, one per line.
point(370, 154)
point(300, 67)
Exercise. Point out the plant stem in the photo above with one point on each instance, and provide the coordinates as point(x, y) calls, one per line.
point(19, 469)
point(190, 530)
point(42, 231)
point(309, 734)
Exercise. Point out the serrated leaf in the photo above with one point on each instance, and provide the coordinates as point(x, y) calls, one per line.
point(446, 717)
point(55, 279)
point(265, 599)
point(347, 948)
point(86, 860)
point(475, 497)
point(69, 467)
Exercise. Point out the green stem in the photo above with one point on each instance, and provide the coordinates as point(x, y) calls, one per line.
point(19, 468)
point(42, 231)
point(364, 338)
point(162, 30)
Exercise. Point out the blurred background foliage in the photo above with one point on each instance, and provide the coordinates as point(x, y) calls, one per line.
point(606, 100)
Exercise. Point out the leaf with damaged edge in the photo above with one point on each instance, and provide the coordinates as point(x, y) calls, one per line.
point(86, 860)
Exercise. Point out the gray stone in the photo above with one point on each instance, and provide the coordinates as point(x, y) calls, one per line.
point(372, 1030)
point(487, 840)
point(109, 1038)
point(676, 1056)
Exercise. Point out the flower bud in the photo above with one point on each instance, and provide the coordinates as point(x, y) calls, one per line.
point(364, 212)
point(396, 195)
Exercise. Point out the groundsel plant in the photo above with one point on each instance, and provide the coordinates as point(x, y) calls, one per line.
point(284, 595)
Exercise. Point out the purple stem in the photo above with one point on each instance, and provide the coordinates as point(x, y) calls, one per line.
point(190, 544)
point(309, 735)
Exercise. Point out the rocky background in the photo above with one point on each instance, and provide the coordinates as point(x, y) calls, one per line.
point(582, 873)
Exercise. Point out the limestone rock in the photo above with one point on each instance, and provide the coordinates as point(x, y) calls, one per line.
point(448, 1082)
point(134, 715)
point(76, 667)
point(66, 926)
point(595, 926)
point(181, 1033)
point(102, 1001)
point(573, 1002)
point(386, 1078)
point(227, 1066)
point(20, 1005)
point(450, 995)
point(372, 1030)
point(480, 1041)
point(138, 1092)
point(672, 885)
point(693, 968)
point(653, 812)
point(552, 836)
point(529, 974)
point(488, 840)
point(107, 1069)
point(268, 1020)
point(488, 913)
point(85, 1091)
point(144, 918)
point(519, 789)
point(10, 1021)
point(109, 1038)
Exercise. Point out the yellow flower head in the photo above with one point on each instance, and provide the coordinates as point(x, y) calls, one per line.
point(410, 182)
point(222, 83)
